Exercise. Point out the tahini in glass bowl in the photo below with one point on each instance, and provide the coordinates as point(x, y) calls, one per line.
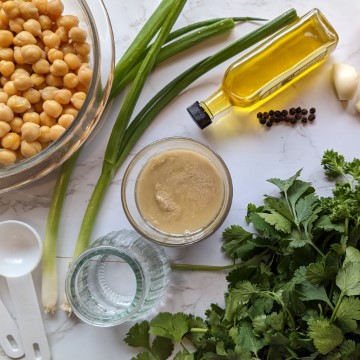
point(176, 191)
point(95, 21)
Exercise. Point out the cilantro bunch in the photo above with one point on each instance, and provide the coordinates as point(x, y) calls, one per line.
point(295, 292)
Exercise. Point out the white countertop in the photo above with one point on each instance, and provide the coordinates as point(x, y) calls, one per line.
point(252, 153)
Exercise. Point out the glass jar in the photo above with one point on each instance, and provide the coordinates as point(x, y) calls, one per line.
point(120, 277)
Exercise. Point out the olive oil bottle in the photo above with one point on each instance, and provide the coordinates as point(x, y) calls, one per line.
point(272, 66)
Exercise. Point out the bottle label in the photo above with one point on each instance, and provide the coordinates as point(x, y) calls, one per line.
point(294, 74)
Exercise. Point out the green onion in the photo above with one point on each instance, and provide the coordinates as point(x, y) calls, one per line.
point(127, 139)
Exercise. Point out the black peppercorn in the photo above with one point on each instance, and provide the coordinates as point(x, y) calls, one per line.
point(259, 115)
point(277, 113)
point(311, 117)
point(284, 113)
point(277, 119)
point(292, 111)
point(304, 111)
point(312, 110)
point(304, 119)
point(292, 120)
point(269, 123)
point(271, 112)
point(262, 121)
point(298, 109)
point(265, 115)
point(298, 116)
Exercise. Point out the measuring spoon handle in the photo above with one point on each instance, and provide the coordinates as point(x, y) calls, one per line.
point(10, 339)
point(29, 318)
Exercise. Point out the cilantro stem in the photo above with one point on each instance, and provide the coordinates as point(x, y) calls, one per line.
point(184, 348)
point(198, 330)
point(338, 303)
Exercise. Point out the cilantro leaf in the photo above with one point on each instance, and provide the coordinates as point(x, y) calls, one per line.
point(138, 335)
point(348, 313)
point(297, 190)
point(280, 222)
point(326, 336)
point(284, 185)
point(162, 347)
point(246, 339)
point(183, 355)
point(144, 356)
point(348, 279)
point(305, 207)
point(279, 205)
point(350, 350)
point(351, 254)
point(172, 326)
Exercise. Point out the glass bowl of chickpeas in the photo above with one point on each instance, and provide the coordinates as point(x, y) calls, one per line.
point(56, 72)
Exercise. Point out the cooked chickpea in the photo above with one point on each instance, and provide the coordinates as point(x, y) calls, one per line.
point(16, 25)
point(78, 99)
point(6, 38)
point(67, 48)
point(4, 20)
point(22, 82)
point(17, 56)
point(3, 97)
point(28, 11)
point(56, 131)
point(17, 72)
point(44, 136)
point(52, 40)
point(32, 26)
point(67, 21)
point(45, 22)
point(52, 80)
point(69, 109)
point(10, 89)
point(62, 96)
point(41, 66)
point(24, 38)
point(11, 9)
point(11, 141)
point(3, 80)
point(18, 104)
point(54, 54)
point(7, 54)
point(63, 34)
point(31, 53)
point(77, 34)
point(7, 156)
point(38, 107)
point(55, 8)
point(32, 117)
point(16, 124)
point(84, 75)
point(37, 79)
point(30, 131)
point(47, 93)
point(66, 120)
point(41, 6)
point(32, 95)
point(30, 148)
point(4, 128)
point(6, 113)
point(52, 108)
point(47, 120)
point(71, 80)
point(59, 68)
point(7, 67)
point(72, 61)
point(82, 49)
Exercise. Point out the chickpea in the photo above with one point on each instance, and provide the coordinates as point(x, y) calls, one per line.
point(32, 26)
point(47, 120)
point(47, 93)
point(38, 107)
point(6, 38)
point(7, 54)
point(59, 68)
point(6, 113)
point(69, 109)
point(82, 49)
point(45, 22)
point(52, 80)
point(7, 156)
point(52, 40)
point(66, 120)
point(44, 136)
point(84, 75)
point(63, 34)
point(71, 80)
point(24, 38)
point(72, 61)
point(11, 141)
point(19, 71)
point(54, 54)
point(62, 96)
point(10, 89)
point(3, 80)
point(7, 67)
point(78, 99)
point(55, 8)
point(52, 108)
point(67, 21)
point(11, 9)
point(17, 56)
point(25, 67)
point(31, 117)
point(77, 34)
point(41, 66)
point(4, 128)
point(32, 95)
point(18, 104)
point(29, 11)
point(31, 53)
point(56, 131)
point(30, 131)
point(22, 82)
point(3, 97)
point(41, 6)
point(30, 148)
point(16, 25)
point(16, 124)
point(37, 79)
point(67, 48)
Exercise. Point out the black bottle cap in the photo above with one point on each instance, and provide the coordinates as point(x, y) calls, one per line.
point(199, 115)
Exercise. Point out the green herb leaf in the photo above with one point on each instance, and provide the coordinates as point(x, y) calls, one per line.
point(352, 254)
point(144, 356)
point(348, 314)
point(350, 350)
point(162, 347)
point(172, 326)
point(184, 355)
point(333, 163)
point(297, 190)
point(246, 339)
point(280, 222)
point(284, 185)
point(348, 279)
point(326, 336)
point(305, 207)
point(138, 335)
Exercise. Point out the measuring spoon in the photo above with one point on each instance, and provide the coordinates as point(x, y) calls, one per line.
point(10, 339)
point(20, 253)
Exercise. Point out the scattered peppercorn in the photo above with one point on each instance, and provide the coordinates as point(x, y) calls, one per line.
point(265, 115)
point(271, 112)
point(262, 121)
point(311, 117)
point(284, 113)
point(259, 115)
point(269, 123)
point(304, 111)
point(298, 109)
point(292, 111)
point(304, 119)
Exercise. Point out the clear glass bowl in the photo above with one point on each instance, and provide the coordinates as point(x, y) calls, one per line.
point(94, 19)
point(130, 201)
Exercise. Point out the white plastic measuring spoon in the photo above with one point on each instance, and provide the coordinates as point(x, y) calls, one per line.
point(20, 253)
point(10, 339)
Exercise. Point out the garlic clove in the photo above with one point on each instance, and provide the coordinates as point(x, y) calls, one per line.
point(346, 80)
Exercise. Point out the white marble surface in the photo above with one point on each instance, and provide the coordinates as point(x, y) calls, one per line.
point(252, 153)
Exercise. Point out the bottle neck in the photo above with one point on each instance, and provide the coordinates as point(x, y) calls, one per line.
point(216, 103)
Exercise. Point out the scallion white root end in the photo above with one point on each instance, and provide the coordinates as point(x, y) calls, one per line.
point(49, 291)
